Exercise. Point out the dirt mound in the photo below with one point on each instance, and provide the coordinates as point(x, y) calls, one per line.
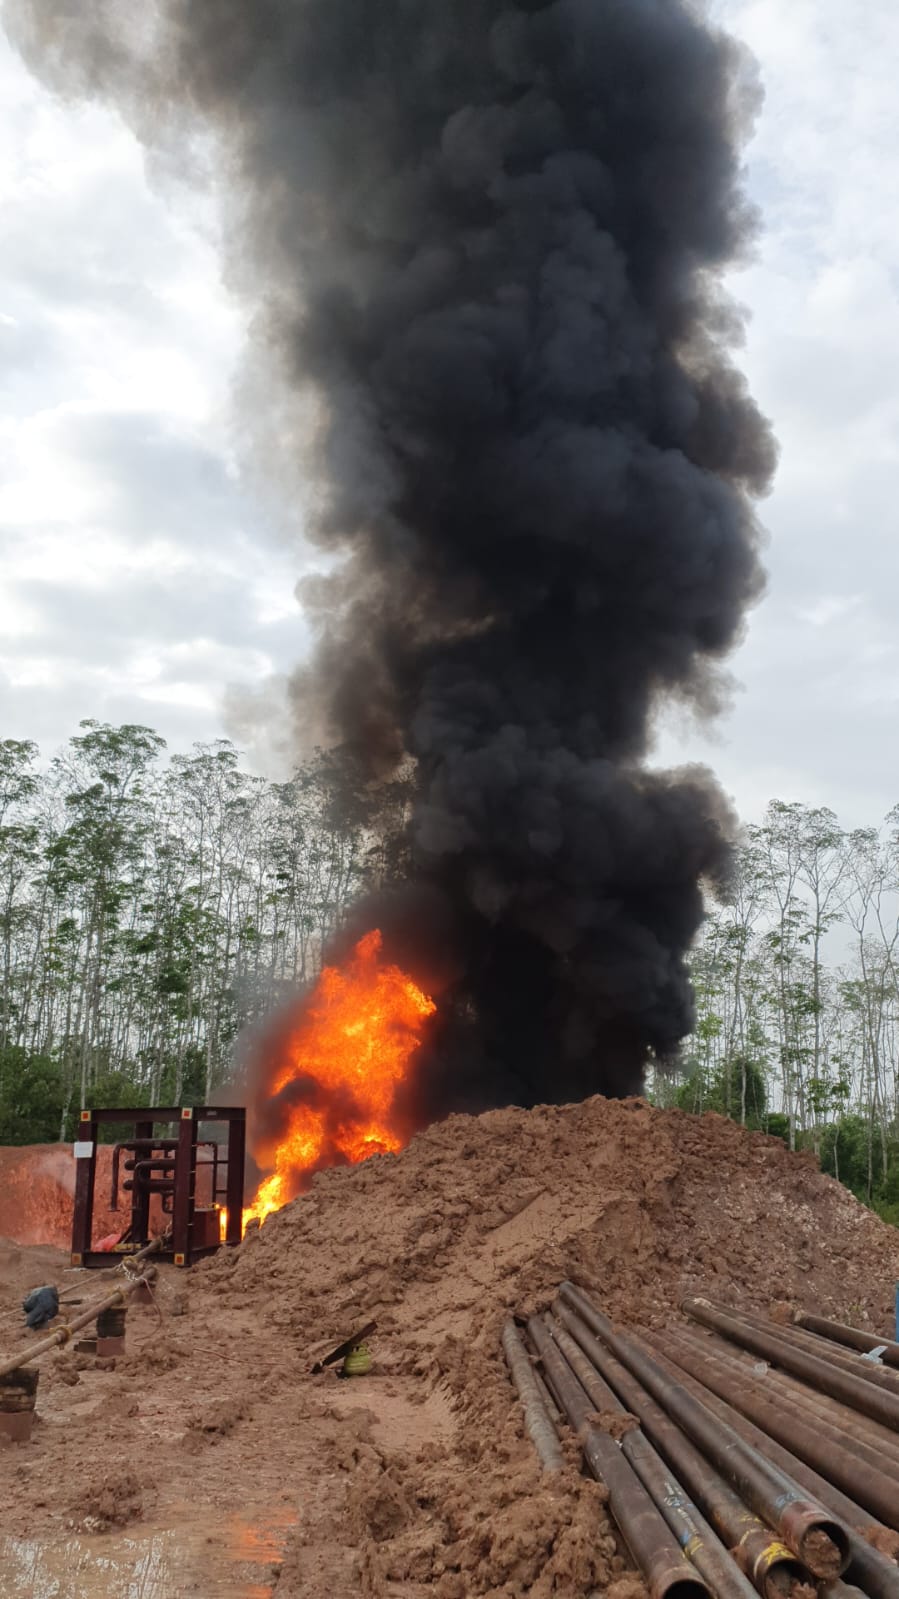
point(417, 1481)
point(37, 1190)
point(112, 1500)
point(483, 1215)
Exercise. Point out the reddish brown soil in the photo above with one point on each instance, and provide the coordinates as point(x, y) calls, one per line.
point(418, 1479)
point(37, 1184)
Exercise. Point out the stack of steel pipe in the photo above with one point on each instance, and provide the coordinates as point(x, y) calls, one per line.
point(725, 1476)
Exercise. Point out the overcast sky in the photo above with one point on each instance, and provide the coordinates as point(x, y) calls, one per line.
point(140, 579)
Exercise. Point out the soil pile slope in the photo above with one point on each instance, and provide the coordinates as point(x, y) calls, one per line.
point(37, 1188)
point(483, 1215)
point(212, 1441)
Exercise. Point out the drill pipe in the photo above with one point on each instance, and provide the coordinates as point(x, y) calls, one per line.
point(853, 1337)
point(593, 1384)
point(819, 1347)
point(869, 1565)
point(859, 1434)
point(698, 1540)
point(64, 1333)
point(836, 1411)
point(655, 1552)
point(816, 1538)
point(853, 1391)
point(537, 1420)
point(771, 1568)
point(801, 1436)
point(694, 1534)
point(808, 1408)
point(552, 1409)
point(847, 1359)
point(692, 1355)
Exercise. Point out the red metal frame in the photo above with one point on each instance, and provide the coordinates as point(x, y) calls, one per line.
point(191, 1226)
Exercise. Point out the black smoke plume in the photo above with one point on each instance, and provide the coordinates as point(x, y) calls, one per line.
point(484, 240)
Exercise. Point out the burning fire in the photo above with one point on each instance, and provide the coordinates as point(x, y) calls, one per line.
point(353, 1044)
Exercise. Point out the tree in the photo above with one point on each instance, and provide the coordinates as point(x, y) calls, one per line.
point(711, 1092)
point(97, 862)
point(18, 855)
point(151, 909)
point(31, 1097)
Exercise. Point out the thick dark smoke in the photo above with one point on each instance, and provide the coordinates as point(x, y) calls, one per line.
point(484, 241)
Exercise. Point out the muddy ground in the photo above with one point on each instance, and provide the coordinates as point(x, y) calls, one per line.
point(211, 1460)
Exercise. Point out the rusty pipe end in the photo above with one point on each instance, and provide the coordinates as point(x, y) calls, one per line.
point(679, 1587)
point(821, 1543)
point(787, 1582)
point(771, 1567)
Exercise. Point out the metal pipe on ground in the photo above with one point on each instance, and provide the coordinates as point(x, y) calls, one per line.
point(866, 1449)
point(747, 1395)
point(853, 1391)
point(537, 1419)
point(807, 1408)
point(873, 1547)
point(840, 1590)
point(858, 1434)
point(665, 1568)
point(839, 1415)
point(869, 1479)
point(771, 1568)
point(851, 1360)
point(592, 1382)
point(691, 1361)
point(818, 1539)
point(843, 1359)
point(150, 1248)
point(552, 1408)
point(695, 1536)
point(24, 1357)
point(851, 1337)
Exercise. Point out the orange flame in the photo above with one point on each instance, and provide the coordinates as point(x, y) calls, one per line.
point(355, 1041)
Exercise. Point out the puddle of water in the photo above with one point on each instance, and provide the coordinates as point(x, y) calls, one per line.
point(232, 1561)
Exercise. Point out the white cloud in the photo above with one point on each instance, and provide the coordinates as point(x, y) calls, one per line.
point(137, 579)
point(820, 665)
point(829, 608)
